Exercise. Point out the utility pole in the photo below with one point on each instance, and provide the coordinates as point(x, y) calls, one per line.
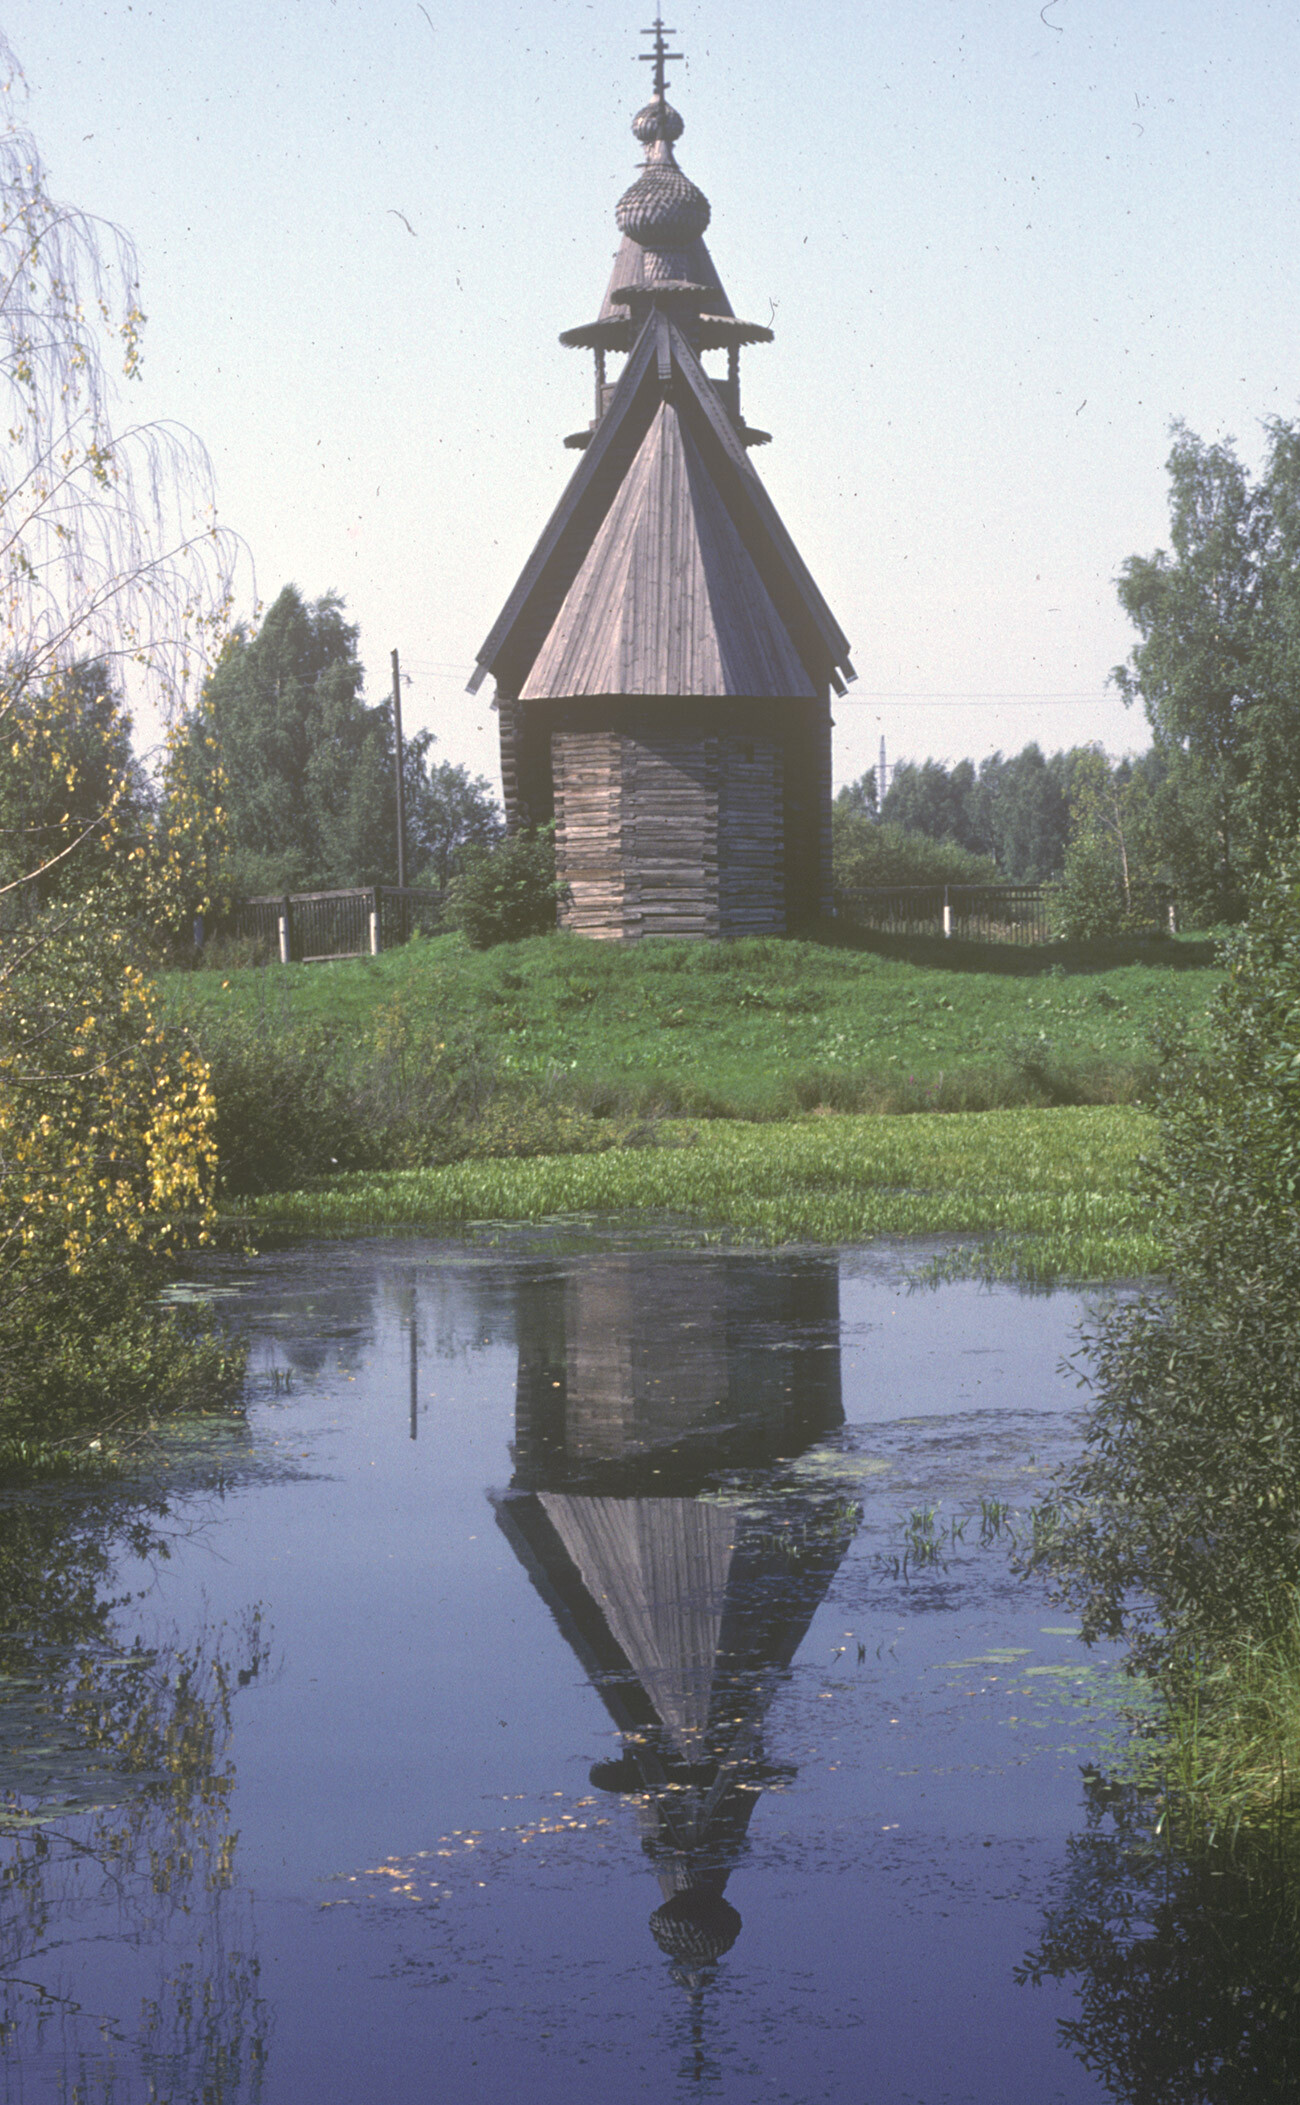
point(882, 777)
point(397, 763)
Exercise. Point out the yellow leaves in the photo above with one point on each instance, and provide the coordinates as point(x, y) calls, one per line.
point(112, 1145)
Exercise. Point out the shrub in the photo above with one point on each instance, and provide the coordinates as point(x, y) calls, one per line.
point(507, 892)
point(1088, 904)
point(867, 854)
point(1179, 1526)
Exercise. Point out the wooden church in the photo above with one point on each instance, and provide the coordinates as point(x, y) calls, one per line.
point(665, 664)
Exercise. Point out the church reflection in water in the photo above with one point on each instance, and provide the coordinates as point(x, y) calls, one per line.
point(658, 1396)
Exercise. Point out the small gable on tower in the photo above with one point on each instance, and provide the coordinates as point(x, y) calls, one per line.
point(665, 663)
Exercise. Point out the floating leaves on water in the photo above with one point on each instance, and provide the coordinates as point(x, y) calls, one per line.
point(1005, 1655)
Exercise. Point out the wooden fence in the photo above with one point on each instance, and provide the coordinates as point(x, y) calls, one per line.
point(310, 927)
point(989, 913)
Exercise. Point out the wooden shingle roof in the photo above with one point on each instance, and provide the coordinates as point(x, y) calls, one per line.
point(665, 509)
point(668, 599)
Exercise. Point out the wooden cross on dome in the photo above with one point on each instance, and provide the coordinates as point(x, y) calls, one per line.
point(660, 55)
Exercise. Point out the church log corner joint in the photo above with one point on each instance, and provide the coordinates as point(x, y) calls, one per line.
point(665, 664)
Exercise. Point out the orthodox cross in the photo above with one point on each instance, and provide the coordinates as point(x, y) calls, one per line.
point(660, 55)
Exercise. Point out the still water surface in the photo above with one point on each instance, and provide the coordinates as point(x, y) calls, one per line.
point(560, 1692)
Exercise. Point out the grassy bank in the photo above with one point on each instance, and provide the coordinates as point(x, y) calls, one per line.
point(1049, 1190)
point(749, 1030)
point(739, 1087)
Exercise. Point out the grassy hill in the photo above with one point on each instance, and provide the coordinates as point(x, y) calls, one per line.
point(755, 1029)
point(724, 1085)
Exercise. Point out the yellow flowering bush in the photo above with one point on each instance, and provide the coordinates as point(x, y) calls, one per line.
point(106, 1121)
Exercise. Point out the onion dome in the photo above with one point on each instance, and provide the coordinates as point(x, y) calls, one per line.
point(663, 209)
point(662, 262)
point(658, 120)
point(696, 1927)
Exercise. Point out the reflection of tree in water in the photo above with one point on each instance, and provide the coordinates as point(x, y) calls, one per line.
point(115, 1783)
point(1189, 1980)
point(642, 1381)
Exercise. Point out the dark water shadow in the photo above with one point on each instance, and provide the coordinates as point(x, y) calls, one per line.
point(1184, 1957)
point(1025, 960)
point(115, 1790)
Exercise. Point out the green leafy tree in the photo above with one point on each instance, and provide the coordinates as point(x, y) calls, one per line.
point(1013, 809)
point(304, 767)
point(504, 893)
point(1205, 666)
point(860, 796)
point(932, 799)
point(1019, 813)
point(448, 811)
point(1115, 851)
point(868, 854)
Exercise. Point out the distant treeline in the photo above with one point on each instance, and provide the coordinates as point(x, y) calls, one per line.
point(1005, 818)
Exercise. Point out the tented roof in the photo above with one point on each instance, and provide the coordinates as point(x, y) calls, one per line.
point(668, 599)
point(665, 509)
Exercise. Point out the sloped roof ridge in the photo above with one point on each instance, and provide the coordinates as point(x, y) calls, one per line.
point(660, 344)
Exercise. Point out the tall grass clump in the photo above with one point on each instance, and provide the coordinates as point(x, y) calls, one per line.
point(1178, 1529)
point(300, 1099)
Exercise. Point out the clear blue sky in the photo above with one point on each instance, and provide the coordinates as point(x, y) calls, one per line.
point(1005, 243)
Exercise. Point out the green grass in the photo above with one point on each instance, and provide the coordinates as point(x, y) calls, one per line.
point(1047, 1192)
point(751, 1030)
point(1225, 1751)
point(561, 1077)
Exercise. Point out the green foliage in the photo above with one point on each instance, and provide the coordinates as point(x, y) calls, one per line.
point(1013, 810)
point(302, 769)
point(1179, 1527)
point(860, 796)
point(507, 892)
point(106, 1168)
point(97, 1364)
point(73, 799)
point(1020, 812)
point(1217, 663)
point(1114, 854)
point(448, 811)
point(867, 853)
point(1053, 1187)
point(303, 766)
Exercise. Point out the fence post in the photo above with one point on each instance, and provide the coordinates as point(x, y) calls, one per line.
point(374, 922)
point(284, 930)
point(947, 913)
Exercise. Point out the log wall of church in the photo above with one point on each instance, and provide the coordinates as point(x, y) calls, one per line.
point(671, 822)
point(685, 817)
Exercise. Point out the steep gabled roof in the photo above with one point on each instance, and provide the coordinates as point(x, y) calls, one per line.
point(668, 599)
point(724, 528)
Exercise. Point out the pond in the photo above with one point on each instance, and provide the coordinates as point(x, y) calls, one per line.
point(596, 1669)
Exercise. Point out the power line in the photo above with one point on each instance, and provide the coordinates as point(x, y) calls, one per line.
point(940, 699)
